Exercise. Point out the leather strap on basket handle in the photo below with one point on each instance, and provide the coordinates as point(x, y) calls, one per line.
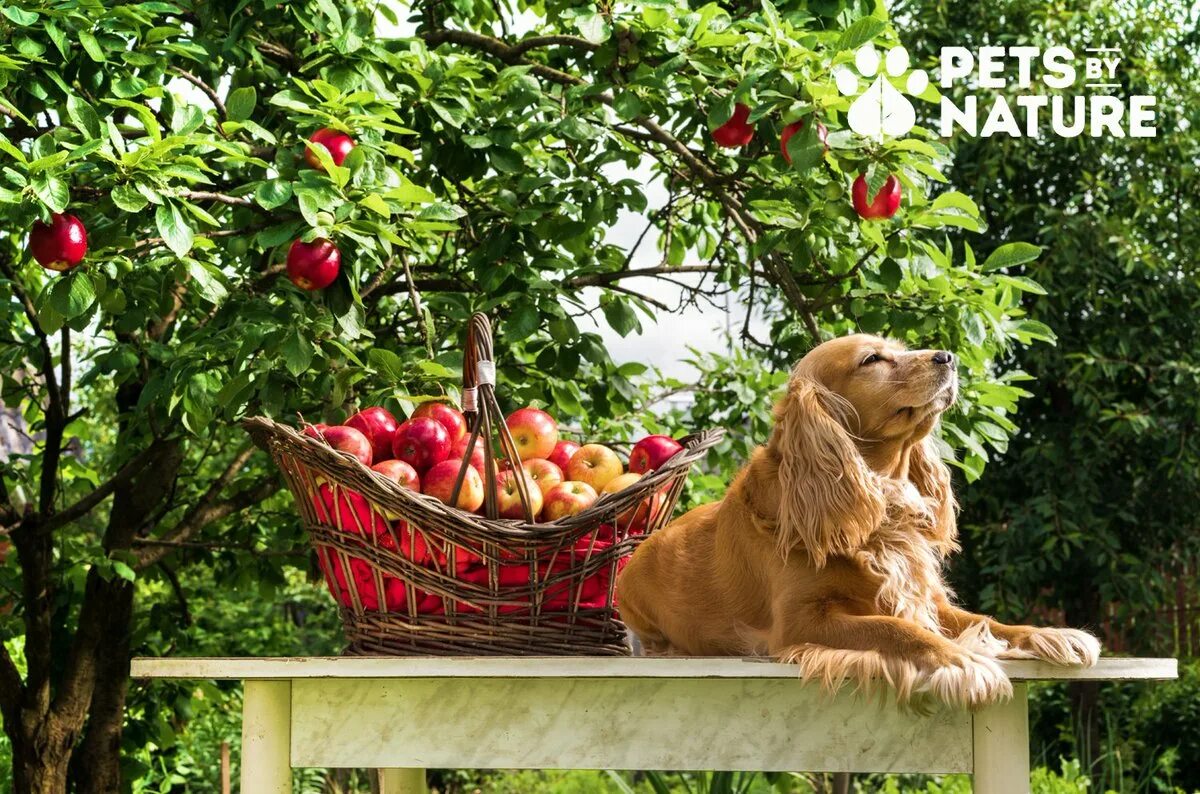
point(482, 411)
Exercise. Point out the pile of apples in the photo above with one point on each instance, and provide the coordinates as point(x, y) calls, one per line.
point(426, 452)
point(738, 131)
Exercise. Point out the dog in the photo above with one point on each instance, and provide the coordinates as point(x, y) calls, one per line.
point(828, 547)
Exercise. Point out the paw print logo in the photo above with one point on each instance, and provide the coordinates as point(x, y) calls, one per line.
point(880, 110)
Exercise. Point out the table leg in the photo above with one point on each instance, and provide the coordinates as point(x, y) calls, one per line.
point(1001, 745)
point(402, 781)
point(266, 737)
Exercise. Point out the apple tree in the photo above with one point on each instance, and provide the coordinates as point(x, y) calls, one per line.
point(496, 146)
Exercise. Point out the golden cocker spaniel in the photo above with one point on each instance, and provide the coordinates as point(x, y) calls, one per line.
point(827, 550)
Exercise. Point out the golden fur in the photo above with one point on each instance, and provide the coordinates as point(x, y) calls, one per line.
point(827, 550)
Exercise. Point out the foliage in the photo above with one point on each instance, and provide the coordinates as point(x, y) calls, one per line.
point(489, 168)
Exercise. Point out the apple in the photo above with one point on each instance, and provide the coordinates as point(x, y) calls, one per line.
point(338, 144)
point(543, 472)
point(421, 443)
point(652, 452)
point(458, 451)
point(793, 128)
point(885, 203)
point(379, 426)
point(315, 431)
point(534, 431)
point(567, 499)
point(508, 495)
point(735, 132)
point(450, 417)
point(315, 265)
point(638, 517)
point(439, 481)
point(60, 244)
point(400, 473)
point(595, 465)
point(349, 440)
point(562, 453)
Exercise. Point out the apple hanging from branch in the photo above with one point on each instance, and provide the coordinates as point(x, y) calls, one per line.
point(60, 244)
point(737, 131)
point(884, 203)
point(315, 265)
point(338, 144)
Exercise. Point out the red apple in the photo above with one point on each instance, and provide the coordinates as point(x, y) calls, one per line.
point(594, 464)
point(379, 426)
point(338, 144)
point(421, 443)
point(735, 132)
point(458, 451)
point(567, 499)
point(543, 472)
point(534, 432)
point(652, 452)
point(59, 245)
point(638, 517)
point(315, 431)
point(450, 417)
point(885, 203)
point(562, 453)
point(315, 265)
point(349, 440)
point(439, 481)
point(400, 473)
point(793, 128)
point(508, 497)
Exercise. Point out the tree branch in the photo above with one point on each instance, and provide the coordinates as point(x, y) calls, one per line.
point(533, 42)
point(205, 87)
point(97, 495)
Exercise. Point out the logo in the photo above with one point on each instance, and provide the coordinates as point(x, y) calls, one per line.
point(882, 109)
point(1029, 91)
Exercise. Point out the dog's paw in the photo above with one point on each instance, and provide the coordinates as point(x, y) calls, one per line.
point(1067, 647)
point(972, 682)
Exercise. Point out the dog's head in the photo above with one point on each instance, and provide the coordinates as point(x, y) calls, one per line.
point(857, 410)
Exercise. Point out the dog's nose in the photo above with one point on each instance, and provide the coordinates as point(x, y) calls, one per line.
point(943, 357)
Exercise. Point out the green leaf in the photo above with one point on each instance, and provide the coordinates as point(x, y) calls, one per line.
point(174, 230)
point(124, 571)
point(860, 32)
point(83, 116)
point(620, 316)
point(20, 16)
point(72, 294)
point(376, 204)
point(207, 283)
point(128, 198)
point(594, 27)
point(273, 193)
point(1011, 254)
point(297, 353)
point(241, 102)
point(388, 364)
point(91, 46)
point(506, 161)
point(51, 191)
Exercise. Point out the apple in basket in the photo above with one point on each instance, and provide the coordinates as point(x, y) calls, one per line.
point(439, 483)
point(400, 473)
point(637, 518)
point(543, 472)
point(567, 499)
point(421, 443)
point(315, 431)
point(563, 450)
point(458, 451)
point(652, 452)
point(533, 431)
point(379, 426)
point(508, 495)
point(594, 464)
point(449, 417)
point(348, 440)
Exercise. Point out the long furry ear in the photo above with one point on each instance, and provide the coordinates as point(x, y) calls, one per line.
point(830, 500)
point(931, 476)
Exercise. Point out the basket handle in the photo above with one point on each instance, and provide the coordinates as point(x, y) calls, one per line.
point(483, 414)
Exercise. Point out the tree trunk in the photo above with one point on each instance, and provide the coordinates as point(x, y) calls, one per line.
point(39, 757)
point(96, 763)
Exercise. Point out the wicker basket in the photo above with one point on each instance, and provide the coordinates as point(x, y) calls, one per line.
point(427, 578)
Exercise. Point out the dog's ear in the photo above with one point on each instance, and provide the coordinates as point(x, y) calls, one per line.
point(830, 500)
point(931, 476)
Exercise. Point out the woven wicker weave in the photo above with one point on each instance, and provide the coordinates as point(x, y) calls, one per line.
point(427, 578)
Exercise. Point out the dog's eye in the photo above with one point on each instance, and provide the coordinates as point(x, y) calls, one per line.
point(871, 359)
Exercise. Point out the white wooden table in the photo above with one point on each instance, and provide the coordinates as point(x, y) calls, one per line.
point(403, 715)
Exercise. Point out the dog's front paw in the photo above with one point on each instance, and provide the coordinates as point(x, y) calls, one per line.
point(972, 681)
point(1068, 647)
